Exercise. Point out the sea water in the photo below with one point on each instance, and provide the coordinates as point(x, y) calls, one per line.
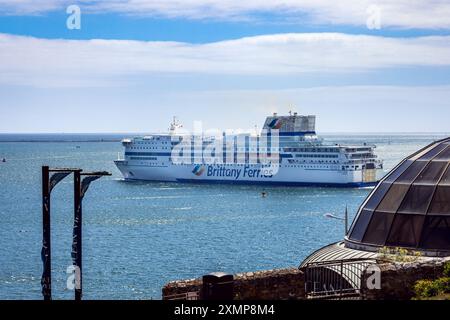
point(137, 236)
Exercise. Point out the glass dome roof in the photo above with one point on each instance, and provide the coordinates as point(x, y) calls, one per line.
point(410, 207)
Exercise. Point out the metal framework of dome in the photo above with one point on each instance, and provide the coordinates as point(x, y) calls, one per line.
point(410, 207)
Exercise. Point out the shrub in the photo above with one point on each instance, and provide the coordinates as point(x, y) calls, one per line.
point(447, 269)
point(425, 289)
point(443, 285)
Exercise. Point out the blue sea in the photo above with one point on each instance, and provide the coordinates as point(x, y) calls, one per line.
point(139, 236)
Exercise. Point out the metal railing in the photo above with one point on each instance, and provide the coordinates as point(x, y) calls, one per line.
point(339, 279)
point(186, 296)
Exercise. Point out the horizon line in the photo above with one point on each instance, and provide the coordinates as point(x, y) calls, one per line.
point(149, 133)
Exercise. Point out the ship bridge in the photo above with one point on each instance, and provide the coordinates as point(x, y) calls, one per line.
point(292, 125)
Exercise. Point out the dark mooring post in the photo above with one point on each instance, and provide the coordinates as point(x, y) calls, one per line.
point(80, 188)
point(48, 183)
point(77, 235)
point(46, 281)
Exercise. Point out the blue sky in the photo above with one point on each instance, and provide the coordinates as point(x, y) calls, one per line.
point(135, 64)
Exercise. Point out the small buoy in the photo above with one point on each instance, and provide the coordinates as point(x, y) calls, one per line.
point(263, 194)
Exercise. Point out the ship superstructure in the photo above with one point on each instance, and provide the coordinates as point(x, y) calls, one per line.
point(303, 159)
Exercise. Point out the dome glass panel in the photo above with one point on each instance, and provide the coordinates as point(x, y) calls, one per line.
point(378, 228)
point(393, 176)
point(432, 173)
point(410, 207)
point(417, 199)
point(377, 196)
point(412, 172)
point(446, 178)
point(406, 230)
point(433, 152)
point(361, 224)
point(440, 204)
point(445, 155)
point(394, 198)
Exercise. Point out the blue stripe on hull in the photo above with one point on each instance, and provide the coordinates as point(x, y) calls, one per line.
point(281, 184)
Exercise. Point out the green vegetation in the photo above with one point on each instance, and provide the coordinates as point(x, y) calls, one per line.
point(434, 289)
point(398, 255)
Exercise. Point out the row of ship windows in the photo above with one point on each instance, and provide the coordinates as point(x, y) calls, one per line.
point(363, 156)
point(238, 150)
point(358, 149)
point(328, 167)
point(319, 165)
point(320, 161)
point(317, 156)
point(308, 167)
point(148, 148)
point(290, 161)
point(247, 164)
point(328, 162)
point(311, 150)
point(241, 165)
point(263, 150)
point(144, 158)
point(166, 148)
point(151, 142)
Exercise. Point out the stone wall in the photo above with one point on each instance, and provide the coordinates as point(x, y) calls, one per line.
point(397, 282)
point(285, 284)
point(398, 279)
point(176, 288)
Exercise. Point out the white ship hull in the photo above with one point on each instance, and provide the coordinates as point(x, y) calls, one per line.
point(249, 174)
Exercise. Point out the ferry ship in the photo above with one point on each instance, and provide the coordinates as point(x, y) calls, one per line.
point(304, 158)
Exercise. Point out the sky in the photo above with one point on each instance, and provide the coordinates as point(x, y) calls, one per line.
point(131, 65)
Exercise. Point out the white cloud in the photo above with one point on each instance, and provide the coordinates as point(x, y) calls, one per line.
point(44, 62)
point(428, 14)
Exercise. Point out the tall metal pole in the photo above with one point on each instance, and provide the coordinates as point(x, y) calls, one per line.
point(46, 281)
point(77, 236)
point(346, 220)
